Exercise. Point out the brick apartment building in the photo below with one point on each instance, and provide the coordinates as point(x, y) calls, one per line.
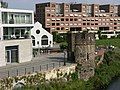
point(63, 17)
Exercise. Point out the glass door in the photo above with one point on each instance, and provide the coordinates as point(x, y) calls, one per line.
point(8, 56)
point(14, 55)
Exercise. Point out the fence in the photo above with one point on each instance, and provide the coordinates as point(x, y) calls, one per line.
point(20, 71)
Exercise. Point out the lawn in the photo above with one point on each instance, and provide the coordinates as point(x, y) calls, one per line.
point(106, 42)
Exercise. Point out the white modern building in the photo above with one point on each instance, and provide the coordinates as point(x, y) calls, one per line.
point(40, 37)
point(15, 42)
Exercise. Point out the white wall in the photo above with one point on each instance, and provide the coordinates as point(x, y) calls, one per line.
point(24, 47)
point(38, 26)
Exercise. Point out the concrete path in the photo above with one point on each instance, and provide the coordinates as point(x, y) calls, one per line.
point(40, 63)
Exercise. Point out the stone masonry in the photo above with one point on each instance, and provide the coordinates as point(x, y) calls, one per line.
point(84, 53)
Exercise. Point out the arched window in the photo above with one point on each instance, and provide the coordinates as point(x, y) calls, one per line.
point(44, 40)
point(33, 40)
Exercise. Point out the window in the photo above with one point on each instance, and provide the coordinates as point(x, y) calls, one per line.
point(37, 31)
point(53, 5)
point(115, 23)
point(48, 14)
point(44, 40)
point(33, 40)
point(71, 19)
point(88, 23)
point(58, 28)
point(62, 28)
point(67, 19)
point(58, 24)
point(84, 23)
point(96, 23)
point(115, 27)
point(53, 24)
point(75, 19)
point(62, 19)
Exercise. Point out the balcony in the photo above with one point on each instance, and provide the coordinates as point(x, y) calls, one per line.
point(15, 37)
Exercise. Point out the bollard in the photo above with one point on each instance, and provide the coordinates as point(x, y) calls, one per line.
point(59, 63)
point(8, 73)
point(32, 69)
point(47, 66)
point(53, 65)
point(40, 67)
point(25, 70)
point(17, 72)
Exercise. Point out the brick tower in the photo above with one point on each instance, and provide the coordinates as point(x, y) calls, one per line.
point(84, 54)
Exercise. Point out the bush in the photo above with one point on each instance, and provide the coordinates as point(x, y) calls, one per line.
point(63, 46)
point(103, 37)
point(59, 37)
point(118, 36)
point(113, 37)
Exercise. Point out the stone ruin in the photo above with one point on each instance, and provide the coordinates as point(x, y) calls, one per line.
point(81, 49)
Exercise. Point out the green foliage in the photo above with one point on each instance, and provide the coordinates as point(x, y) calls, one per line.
point(108, 42)
point(63, 46)
point(113, 37)
point(103, 37)
point(118, 36)
point(59, 37)
point(102, 78)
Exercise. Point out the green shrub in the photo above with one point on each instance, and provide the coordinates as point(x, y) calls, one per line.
point(103, 37)
point(63, 46)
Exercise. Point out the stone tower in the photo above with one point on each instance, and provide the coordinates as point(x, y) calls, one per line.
point(85, 54)
point(71, 45)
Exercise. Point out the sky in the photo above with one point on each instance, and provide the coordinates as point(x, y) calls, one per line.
point(30, 4)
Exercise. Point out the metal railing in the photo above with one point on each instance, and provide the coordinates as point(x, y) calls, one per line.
point(24, 70)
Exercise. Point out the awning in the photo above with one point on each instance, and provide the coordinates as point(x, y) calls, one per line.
point(84, 15)
point(71, 14)
point(66, 15)
point(88, 27)
point(96, 19)
point(75, 23)
point(53, 19)
point(84, 28)
point(62, 24)
point(88, 19)
point(104, 15)
point(100, 14)
point(96, 14)
point(76, 15)
point(58, 19)
point(92, 27)
point(111, 19)
point(84, 19)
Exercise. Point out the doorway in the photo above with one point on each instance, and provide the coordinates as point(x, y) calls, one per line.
point(12, 54)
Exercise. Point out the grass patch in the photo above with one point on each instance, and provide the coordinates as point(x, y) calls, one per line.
point(108, 42)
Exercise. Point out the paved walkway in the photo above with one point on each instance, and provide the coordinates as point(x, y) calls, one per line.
point(40, 63)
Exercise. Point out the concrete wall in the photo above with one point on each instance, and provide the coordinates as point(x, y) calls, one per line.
point(24, 47)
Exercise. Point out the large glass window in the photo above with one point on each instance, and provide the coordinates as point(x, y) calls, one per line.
point(44, 40)
point(15, 33)
point(16, 18)
point(4, 18)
